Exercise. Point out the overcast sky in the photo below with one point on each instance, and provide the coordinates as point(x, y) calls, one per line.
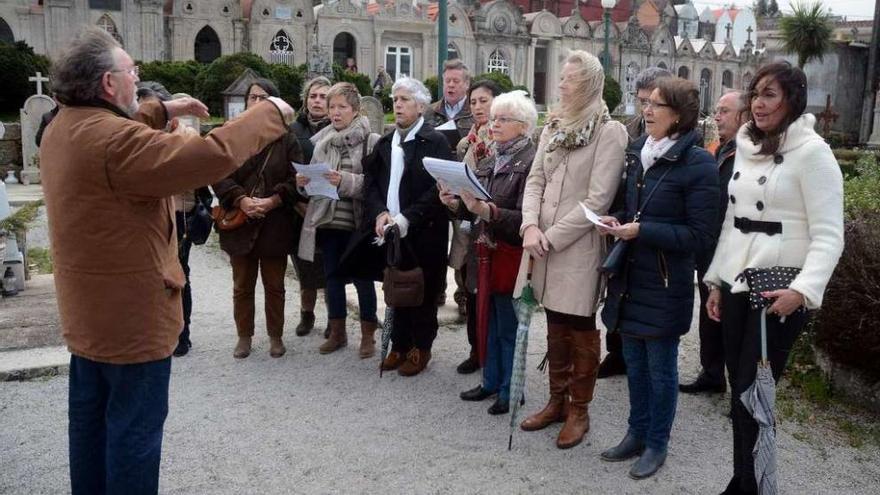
point(855, 9)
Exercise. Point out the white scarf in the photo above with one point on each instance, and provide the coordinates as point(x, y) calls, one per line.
point(392, 201)
point(653, 150)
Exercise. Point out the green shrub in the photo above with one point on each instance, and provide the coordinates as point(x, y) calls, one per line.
point(222, 72)
point(862, 189)
point(502, 80)
point(361, 81)
point(612, 93)
point(18, 62)
point(177, 77)
point(290, 81)
point(434, 87)
point(385, 97)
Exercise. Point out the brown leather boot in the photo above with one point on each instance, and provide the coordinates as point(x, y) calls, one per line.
point(416, 362)
point(559, 370)
point(242, 348)
point(276, 347)
point(338, 337)
point(393, 361)
point(585, 352)
point(368, 345)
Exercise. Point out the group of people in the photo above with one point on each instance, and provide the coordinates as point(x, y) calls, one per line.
point(770, 197)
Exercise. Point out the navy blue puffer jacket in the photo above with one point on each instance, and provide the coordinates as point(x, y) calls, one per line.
point(653, 296)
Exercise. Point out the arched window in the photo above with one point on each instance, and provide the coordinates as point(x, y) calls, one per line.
point(281, 49)
point(6, 35)
point(706, 90)
point(344, 46)
point(684, 72)
point(747, 80)
point(452, 52)
point(662, 65)
point(727, 79)
point(207, 46)
point(106, 23)
point(629, 97)
point(498, 63)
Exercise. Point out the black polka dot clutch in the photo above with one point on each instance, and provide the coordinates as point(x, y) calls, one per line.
point(767, 279)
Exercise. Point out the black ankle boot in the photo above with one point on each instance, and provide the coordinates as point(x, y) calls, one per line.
point(306, 323)
point(628, 448)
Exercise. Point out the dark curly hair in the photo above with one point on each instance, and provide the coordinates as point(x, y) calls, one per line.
point(793, 82)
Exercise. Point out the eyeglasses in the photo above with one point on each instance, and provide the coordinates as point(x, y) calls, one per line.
point(134, 71)
point(505, 120)
point(644, 101)
point(256, 97)
point(655, 104)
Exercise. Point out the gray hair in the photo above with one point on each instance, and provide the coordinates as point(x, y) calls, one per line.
point(414, 87)
point(741, 100)
point(647, 79)
point(153, 88)
point(457, 64)
point(520, 106)
point(78, 73)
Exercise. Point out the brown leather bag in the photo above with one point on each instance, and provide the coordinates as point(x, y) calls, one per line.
point(235, 217)
point(402, 288)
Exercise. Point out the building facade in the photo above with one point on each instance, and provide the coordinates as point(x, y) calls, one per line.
point(523, 38)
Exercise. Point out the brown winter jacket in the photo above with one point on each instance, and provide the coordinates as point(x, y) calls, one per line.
point(108, 182)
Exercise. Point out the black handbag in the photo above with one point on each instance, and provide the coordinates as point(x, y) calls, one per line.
point(198, 224)
point(765, 280)
point(402, 288)
point(615, 260)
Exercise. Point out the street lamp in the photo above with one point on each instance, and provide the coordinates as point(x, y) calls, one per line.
point(607, 5)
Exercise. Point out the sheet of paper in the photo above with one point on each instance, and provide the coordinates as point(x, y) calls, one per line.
point(590, 214)
point(318, 184)
point(449, 125)
point(456, 176)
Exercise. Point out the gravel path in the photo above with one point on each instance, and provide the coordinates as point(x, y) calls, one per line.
point(308, 423)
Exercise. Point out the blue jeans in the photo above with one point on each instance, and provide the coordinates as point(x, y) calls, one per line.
point(501, 345)
point(652, 377)
point(333, 243)
point(116, 414)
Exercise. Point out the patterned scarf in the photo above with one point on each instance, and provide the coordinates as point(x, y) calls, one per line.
point(571, 139)
point(504, 152)
point(479, 139)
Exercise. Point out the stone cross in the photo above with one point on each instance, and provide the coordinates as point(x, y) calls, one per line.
point(39, 79)
point(750, 31)
point(827, 117)
point(728, 28)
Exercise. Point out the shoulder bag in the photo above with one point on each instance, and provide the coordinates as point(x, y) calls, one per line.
point(402, 288)
point(234, 217)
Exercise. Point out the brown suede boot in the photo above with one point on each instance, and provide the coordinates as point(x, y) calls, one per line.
point(416, 362)
point(585, 352)
point(276, 347)
point(559, 364)
point(393, 361)
point(242, 348)
point(338, 337)
point(368, 345)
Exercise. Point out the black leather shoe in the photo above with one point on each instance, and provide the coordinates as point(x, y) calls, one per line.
point(648, 464)
point(628, 448)
point(703, 385)
point(182, 348)
point(468, 366)
point(732, 487)
point(306, 323)
point(499, 407)
point(476, 394)
point(612, 365)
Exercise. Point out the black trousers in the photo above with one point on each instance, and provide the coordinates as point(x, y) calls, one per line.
point(741, 327)
point(183, 248)
point(711, 338)
point(614, 344)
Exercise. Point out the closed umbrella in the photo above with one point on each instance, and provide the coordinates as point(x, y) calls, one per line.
point(387, 325)
point(525, 306)
point(484, 273)
point(759, 399)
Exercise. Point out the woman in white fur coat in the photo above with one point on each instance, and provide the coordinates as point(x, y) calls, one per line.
point(785, 210)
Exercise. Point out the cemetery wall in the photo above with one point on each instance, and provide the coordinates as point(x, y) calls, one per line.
point(10, 147)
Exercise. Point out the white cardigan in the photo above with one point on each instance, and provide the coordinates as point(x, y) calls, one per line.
point(804, 192)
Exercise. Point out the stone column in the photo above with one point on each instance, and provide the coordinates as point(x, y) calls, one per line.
point(59, 22)
point(874, 140)
point(152, 30)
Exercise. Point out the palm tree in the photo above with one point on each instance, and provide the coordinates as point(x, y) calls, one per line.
point(807, 32)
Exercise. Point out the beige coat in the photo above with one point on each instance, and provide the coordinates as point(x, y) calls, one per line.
point(109, 183)
point(567, 279)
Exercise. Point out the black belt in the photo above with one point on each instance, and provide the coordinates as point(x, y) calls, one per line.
point(746, 226)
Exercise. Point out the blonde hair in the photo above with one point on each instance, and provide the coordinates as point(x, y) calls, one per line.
point(589, 76)
point(348, 91)
point(519, 104)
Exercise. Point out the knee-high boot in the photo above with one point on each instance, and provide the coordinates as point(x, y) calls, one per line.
point(559, 365)
point(585, 350)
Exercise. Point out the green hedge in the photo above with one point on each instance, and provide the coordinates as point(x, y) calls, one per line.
point(18, 62)
point(612, 93)
point(222, 72)
point(361, 81)
point(177, 77)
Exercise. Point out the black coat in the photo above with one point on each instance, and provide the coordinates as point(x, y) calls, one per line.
point(304, 133)
point(724, 156)
point(428, 233)
point(654, 295)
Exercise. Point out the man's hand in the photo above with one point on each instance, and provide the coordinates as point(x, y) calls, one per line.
point(186, 106)
point(183, 130)
point(381, 221)
point(286, 110)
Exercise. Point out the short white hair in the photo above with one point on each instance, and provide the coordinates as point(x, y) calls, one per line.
point(414, 87)
point(520, 106)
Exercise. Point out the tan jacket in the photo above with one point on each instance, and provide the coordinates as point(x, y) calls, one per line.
point(108, 182)
point(567, 279)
